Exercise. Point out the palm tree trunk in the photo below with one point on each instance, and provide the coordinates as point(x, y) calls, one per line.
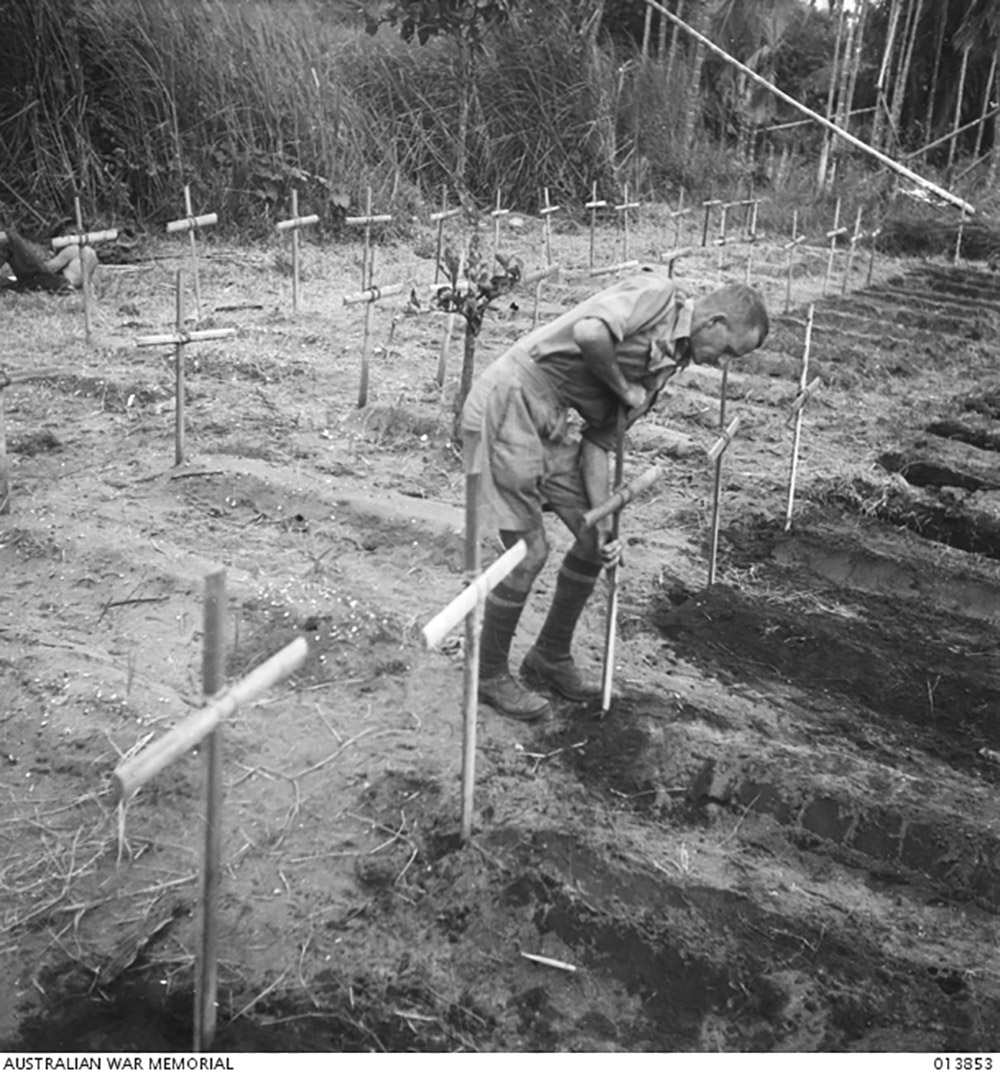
point(932, 94)
point(881, 110)
point(903, 74)
point(675, 35)
point(692, 98)
point(859, 40)
point(958, 105)
point(831, 95)
point(987, 94)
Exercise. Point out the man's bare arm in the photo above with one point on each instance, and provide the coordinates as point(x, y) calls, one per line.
point(597, 346)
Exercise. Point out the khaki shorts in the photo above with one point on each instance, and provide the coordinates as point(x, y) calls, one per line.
point(517, 436)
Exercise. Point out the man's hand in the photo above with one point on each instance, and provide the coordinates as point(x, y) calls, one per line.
point(634, 397)
point(610, 548)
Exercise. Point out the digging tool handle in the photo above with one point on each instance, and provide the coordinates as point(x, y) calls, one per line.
point(87, 238)
point(611, 620)
point(623, 496)
point(457, 610)
point(188, 223)
point(131, 775)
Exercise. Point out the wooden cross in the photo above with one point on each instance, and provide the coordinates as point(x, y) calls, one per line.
point(625, 207)
point(546, 212)
point(835, 232)
point(676, 214)
point(293, 225)
point(439, 218)
point(594, 205)
point(792, 247)
point(84, 239)
point(180, 338)
point(805, 392)
point(497, 213)
point(856, 236)
point(190, 224)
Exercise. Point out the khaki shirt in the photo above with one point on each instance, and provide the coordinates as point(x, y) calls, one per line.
point(650, 322)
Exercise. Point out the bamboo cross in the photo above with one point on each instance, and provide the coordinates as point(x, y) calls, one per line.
point(835, 232)
point(676, 214)
point(203, 727)
point(805, 392)
point(180, 338)
point(439, 218)
point(497, 214)
point(538, 278)
point(958, 238)
point(190, 224)
point(669, 257)
point(625, 208)
point(293, 225)
point(449, 328)
point(546, 212)
point(708, 207)
point(872, 236)
point(470, 606)
point(720, 241)
point(856, 235)
point(792, 247)
point(369, 294)
point(84, 239)
point(594, 205)
point(751, 239)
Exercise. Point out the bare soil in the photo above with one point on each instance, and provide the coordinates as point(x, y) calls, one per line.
point(784, 836)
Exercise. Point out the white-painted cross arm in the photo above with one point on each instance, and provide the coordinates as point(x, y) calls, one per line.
point(456, 611)
point(382, 218)
point(373, 294)
point(187, 223)
point(548, 209)
point(600, 204)
point(628, 205)
point(297, 222)
point(86, 239)
point(445, 214)
point(802, 398)
point(192, 337)
point(541, 274)
point(792, 243)
point(613, 268)
point(673, 255)
point(623, 496)
point(131, 775)
point(725, 440)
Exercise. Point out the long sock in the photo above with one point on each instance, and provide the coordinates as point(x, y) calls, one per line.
point(504, 606)
point(575, 583)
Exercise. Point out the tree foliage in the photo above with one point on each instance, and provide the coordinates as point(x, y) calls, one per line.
point(467, 20)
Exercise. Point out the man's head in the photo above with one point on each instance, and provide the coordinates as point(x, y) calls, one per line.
point(727, 323)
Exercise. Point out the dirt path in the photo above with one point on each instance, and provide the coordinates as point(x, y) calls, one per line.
point(783, 836)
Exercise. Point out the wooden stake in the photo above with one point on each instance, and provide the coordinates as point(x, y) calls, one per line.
point(958, 238)
point(856, 235)
point(752, 240)
point(611, 617)
point(449, 328)
point(179, 371)
point(798, 418)
point(872, 236)
point(720, 242)
point(4, 464)
point(473, 636)
point(594, 205)
point(213, 680)
point(293, 226)
point(717, 485)
point(623, 496)
point(84, 275)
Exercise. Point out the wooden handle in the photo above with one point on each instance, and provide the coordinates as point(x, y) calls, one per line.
point(187, 223)
point(184, 338)
point(297, 222)
point(373, 294)
point(131, 775)
point(723, 442)
point(61, 241)
point(456, 611)
point(623, 496)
